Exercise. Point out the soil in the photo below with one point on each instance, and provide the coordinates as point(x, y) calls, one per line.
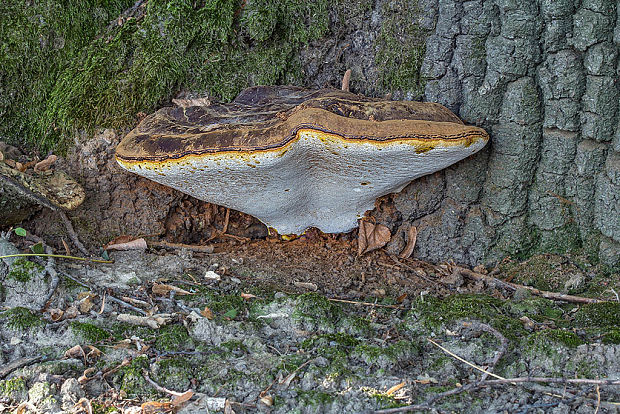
point(261, 324)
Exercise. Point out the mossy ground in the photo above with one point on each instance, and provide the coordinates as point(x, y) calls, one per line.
point(23, 270)
point(71, 68)
point(22, 319)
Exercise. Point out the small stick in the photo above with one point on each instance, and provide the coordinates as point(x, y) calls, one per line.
point(543, 293)
point(17, 364)
point(464, 361)
point(60, 256)
point(109, 297)
point(159, 387)
point(353, 302)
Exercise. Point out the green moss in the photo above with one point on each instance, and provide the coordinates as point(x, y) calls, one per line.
point(435, 312)
point(101, 408)
point(558, 336)
point(131, 377)
point(68, 71)
point(400, 47)
point(315, 398)
point(601, 315)
point(172, 338)
point(14, 388)
point(174, 373)
point(89, 332)
point(22, 319)
point(23, 270)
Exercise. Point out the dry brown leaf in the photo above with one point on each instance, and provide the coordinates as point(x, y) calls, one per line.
point(180, 399)
point(45, 164)
point(162, 289)
point(83, 405)
point(395, 388)
point(412, 236)
point(71, 312)
point(248, 296)
point(93, 353)
point(137, 244)
point(75, 352)
point(86, 301)
point(267, 400)
point(371, 237)
point(401, 298)
point(56, 314)
point(156, 407)
point(207, 313)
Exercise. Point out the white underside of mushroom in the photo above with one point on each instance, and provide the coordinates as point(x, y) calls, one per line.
point(315, 181)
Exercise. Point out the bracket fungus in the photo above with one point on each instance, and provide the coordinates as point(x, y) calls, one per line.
point(297, 158)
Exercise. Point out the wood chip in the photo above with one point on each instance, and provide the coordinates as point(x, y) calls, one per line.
point(162, 289)
point(306, 285)
point(137, 244)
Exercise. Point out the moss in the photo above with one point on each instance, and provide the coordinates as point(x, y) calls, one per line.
point(172, 338)
point(435, 312)
point(400, 47)
point(131, 377)
point(14, 388)
point(174, 373)
point(22, 319)
point(23, 270)
point(601, 315)
point(558, 336)
point(89, 332)
point(102, 408)
point(103, 76)
point(315, 398)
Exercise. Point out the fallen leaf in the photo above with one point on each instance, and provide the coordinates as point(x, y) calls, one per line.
point(83, 405)
point(267, 400)
point(401, 298)
point(162, 289)
point(66, 246)
point(395, 388)
point(86, 301)
point(93, 353)
point(207, 313)
point(75, 352)
point(45, 164)
point(231, 314)
point(156, 407)
point(180, 399)
point(56, 314)
point(71, 312)
point(137, 244)
point(371, 237)
point(248, 296)
point(412, 236)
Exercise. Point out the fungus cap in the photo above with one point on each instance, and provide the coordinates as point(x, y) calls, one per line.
point(297, 158)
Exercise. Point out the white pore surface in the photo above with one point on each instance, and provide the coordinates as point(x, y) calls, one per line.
point(314, 182)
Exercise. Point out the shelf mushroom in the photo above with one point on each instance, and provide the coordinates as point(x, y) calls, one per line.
point(297, 158)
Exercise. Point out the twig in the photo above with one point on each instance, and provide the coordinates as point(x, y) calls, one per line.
point(109, 297)
point(598, 398)
point(51, 270)
point(353, 302)
point(538, 292)
point(463, 360)
point(159, 387)
point(17, 364)
point(60, 256)
point(179, 246)
point(126, 305)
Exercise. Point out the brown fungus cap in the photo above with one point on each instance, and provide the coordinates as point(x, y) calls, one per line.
point(304, 150)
